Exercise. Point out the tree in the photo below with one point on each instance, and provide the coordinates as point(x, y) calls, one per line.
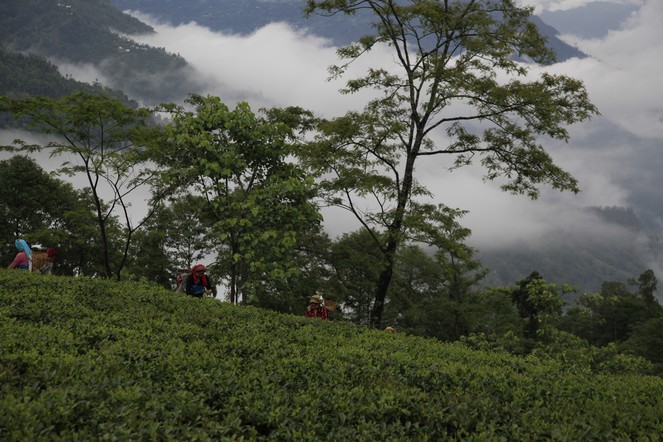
point(47, 212)
point(647, 285)
point(521, 299)
point(27, 202)
point(622, 311)
point(434, 286)
point(174, 239)
point(355, 264)
point(612, 315)
point(585, 319)
point(546, 301)
point(311, 256)
point(79, 240)
point(438, 227)
point(457, 77)
point(258, 199)
point(105, 137)
point(539, 304)
point(431, 292)
point(646, 340)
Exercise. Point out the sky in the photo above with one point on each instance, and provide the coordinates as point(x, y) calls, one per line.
point(615, 157)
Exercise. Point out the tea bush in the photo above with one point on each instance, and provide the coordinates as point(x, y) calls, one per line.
point(85, 359)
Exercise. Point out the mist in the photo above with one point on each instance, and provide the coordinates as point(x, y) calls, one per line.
point(616, 156)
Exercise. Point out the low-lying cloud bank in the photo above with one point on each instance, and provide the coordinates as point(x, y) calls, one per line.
point(616, 157)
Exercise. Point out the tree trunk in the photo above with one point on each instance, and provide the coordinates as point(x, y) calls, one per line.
point(233, 286)
point(382, 287)
point(394, 238)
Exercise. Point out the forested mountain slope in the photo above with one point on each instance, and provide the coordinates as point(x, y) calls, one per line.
point(28, 74)
point(91, 32)
point(583, 257)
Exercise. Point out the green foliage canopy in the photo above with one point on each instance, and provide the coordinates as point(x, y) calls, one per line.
point(258, 199)
point(46, 211)
point(457, 92)
point(104, 137)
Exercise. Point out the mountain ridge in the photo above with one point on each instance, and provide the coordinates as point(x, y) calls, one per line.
point(246, 16)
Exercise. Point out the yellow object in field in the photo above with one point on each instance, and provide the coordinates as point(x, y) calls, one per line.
point(40, 261)
point(318, 299)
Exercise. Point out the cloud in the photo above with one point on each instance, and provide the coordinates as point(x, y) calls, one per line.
point(279, 66)
point(274, 66)
point(564, 5)
point(622, 75)
point(85, 72)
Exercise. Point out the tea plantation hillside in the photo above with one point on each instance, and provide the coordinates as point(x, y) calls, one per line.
point(84, 359)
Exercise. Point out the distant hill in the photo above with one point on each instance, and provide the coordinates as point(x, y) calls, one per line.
point(92, 32)
point(23, 75)
point(592, 20)
point(30, 74)
point(245, 16)
point(586, 260)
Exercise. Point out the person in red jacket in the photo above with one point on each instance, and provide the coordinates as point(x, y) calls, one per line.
point(197, 283)
point(316, 308)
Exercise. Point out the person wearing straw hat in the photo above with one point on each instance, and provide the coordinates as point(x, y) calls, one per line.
point(316, 307)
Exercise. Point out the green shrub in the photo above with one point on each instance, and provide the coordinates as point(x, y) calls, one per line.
point(86, 359)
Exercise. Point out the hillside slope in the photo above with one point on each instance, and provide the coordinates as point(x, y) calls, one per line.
point(87, 359)
point(29, 75)
point(90, 34)
point(617, 248)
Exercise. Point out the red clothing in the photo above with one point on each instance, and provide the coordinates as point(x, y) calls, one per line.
point(317, 311)
point(196, 284)
point(20, 261)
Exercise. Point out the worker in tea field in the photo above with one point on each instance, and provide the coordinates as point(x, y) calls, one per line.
point(50, 261)
point(316, 307)
point(197, 283)
point(22, 259)
point(42, 262)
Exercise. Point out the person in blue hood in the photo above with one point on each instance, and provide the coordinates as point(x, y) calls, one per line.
point(22, 259)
